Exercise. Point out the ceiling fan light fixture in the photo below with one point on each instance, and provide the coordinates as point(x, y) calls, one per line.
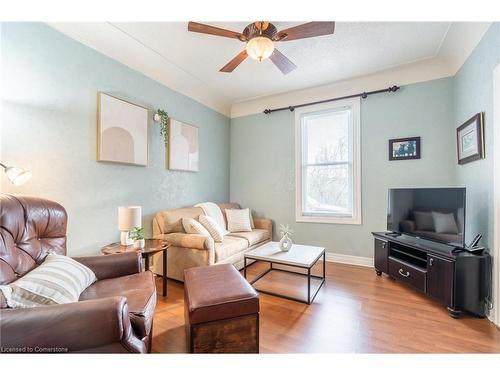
point(260, 48)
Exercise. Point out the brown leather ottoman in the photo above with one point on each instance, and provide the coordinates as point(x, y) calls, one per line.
point(221, 311)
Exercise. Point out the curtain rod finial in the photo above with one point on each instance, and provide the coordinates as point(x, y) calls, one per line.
point(267, 111)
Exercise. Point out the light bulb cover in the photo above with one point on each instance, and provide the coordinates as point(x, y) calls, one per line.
point(260, 48)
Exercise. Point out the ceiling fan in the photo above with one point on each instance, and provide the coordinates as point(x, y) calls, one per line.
point(260, 38)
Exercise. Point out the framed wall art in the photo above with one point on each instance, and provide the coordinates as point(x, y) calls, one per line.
point(122, 131)
point(183, 147)
point(470, 139)
point(404, 148)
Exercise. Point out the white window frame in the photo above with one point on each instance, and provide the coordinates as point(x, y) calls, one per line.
point(355, 219)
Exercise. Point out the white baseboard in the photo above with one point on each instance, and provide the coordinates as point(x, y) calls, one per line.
point(349, 259)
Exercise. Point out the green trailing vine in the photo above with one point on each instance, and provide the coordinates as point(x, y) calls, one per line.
point(163, 123)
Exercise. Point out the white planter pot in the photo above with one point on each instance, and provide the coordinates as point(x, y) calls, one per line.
point(139, 244)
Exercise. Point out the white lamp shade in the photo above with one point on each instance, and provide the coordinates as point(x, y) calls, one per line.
point(129, 217)
point(17, 176)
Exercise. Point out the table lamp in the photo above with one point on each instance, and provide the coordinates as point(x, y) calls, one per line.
point(128, 218)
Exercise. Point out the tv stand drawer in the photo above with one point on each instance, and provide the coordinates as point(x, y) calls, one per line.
point(407, 273)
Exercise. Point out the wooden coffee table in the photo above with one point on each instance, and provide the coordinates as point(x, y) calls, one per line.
point(299, 256)
point(150, 248)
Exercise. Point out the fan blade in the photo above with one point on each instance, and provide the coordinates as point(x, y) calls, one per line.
point(231, 65)
point(306, 30)
point(282, 62)
point(212, 30)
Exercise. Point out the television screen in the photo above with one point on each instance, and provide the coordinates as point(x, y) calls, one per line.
point(436, 214)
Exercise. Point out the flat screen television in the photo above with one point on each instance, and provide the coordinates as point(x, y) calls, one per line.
point(436, 214)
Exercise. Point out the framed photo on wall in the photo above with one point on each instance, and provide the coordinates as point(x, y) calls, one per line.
point(404, 148)
point(183, 149)
point(470, 139)
point(122, 131)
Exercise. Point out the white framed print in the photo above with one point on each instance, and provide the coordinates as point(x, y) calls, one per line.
point(122, 131)
point(470, 140)
point(183, 149)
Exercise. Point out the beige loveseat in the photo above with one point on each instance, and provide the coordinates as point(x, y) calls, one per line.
point(192, 250)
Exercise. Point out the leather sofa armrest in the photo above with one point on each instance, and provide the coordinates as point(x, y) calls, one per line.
point(188, 240)
point(100, 325)
point(114, 265)
point(264, 224)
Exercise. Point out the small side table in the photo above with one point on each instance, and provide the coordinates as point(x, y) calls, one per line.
point(150, 248)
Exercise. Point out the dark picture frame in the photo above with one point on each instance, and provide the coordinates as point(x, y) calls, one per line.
point(404, 148)
point(470, 139)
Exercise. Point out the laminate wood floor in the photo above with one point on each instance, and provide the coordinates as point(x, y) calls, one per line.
point(355, 312)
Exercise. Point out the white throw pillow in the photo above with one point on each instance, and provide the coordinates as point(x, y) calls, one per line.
point(59, 279)
point(252, 224)
point(444, 223)
point(214, 211)
point(238, 220)
point(193, 227)
point(213, 228)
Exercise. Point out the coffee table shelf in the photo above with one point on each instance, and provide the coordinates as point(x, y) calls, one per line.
point(299, 256)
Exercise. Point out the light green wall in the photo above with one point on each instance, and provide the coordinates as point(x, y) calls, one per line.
point(262, 171)
point(473, 93)
point(50, 85)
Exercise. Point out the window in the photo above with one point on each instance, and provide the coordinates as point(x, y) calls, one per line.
point(328, 180)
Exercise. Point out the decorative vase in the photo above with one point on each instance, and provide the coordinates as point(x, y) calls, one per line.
point(285, 243)
point(139, 244)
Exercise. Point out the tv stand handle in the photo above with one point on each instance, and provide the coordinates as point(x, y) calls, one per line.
point(401, 272)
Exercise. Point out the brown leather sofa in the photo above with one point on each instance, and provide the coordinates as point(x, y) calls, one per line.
point(115, 314)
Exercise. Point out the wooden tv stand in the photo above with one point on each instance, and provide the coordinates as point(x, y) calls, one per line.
point(458, 280)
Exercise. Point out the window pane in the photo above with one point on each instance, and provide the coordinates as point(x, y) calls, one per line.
point(326, 137)
point(327, 190)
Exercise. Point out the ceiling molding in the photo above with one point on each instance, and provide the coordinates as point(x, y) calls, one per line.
point(126, 44)
point(400, 76)
point(460, 41)
point(456, 46)
point(118, 45)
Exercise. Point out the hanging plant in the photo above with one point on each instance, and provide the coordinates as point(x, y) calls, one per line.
point(163, 120)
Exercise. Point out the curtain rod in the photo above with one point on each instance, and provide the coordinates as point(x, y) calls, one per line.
point(363, 95)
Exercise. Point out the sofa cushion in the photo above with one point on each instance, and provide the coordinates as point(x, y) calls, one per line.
point(192, 226)
point(170, 221)
point(233, 206)
point(212, 227)
point(140, 291)
point(228, 247)
point(253, 237)
point(238, 220)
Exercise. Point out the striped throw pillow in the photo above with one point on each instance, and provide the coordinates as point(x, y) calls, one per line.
point(213, 228)
point(238, 220)
point(59, 279)
point(193, 227)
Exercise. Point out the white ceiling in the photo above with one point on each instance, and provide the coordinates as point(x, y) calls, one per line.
point(190, 62)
